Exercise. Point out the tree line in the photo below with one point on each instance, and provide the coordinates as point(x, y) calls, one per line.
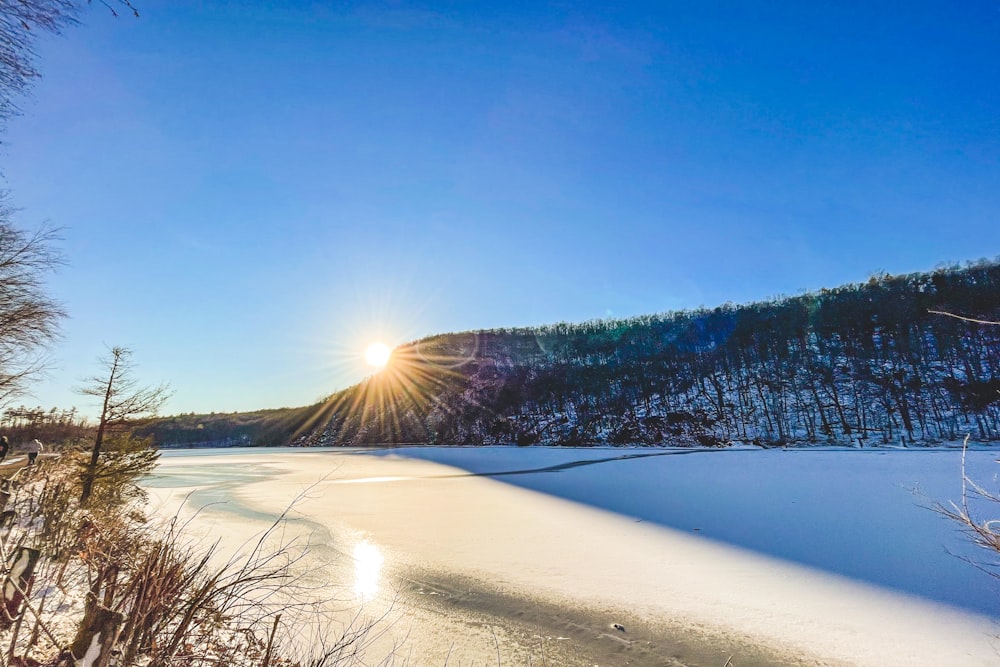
point(21, 424)
point(863, 364)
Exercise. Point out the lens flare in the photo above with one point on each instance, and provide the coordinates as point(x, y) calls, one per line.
point(377, 355)
point(406, 401)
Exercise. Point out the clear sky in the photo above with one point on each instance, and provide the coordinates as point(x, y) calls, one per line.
point(252, 191)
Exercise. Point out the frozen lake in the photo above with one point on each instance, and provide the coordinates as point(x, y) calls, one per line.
point(864, 514)
point(833, 554)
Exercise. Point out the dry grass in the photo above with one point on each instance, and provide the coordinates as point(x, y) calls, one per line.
point(166, 599)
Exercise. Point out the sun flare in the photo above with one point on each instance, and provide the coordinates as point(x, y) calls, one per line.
point(377, 355)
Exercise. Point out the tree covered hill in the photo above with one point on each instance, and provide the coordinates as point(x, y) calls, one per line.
point(238, 429)
point(863, 364)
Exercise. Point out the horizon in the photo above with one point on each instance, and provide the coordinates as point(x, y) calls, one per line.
point(382, 357)
point(252, 196)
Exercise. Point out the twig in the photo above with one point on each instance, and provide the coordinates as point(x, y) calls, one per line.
point(270, 641)
point(20, 619)
point(496, 643)
point(964, 319)
point(985, 534)
point(37, 614)
point(965, 477)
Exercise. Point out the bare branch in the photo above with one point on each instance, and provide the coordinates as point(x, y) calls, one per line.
point(29, 318)
point(21, 23)
point(964, 319)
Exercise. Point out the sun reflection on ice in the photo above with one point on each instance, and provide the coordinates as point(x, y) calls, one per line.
point(367, 569)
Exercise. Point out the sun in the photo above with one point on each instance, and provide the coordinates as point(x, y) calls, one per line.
point(377, 355)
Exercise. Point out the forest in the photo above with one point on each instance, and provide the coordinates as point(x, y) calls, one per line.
point(863, 364)
point(884, 362)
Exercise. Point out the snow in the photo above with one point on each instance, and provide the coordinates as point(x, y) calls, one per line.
point(828, 553)
point(863, 514)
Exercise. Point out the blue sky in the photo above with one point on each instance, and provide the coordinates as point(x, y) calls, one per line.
point(251, 192)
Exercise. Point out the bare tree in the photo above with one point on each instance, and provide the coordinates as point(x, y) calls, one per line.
point(29, 317)
point(123, 399)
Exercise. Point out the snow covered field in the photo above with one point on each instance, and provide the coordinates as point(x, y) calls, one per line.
point(821, 556)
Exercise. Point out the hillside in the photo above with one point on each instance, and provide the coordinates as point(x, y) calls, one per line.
point(863, 364)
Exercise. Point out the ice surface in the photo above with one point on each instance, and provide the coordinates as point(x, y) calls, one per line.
point(865, 514)
point(712, 539)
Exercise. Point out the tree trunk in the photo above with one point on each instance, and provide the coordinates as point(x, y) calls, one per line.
point(95, 638)
point(95, 453)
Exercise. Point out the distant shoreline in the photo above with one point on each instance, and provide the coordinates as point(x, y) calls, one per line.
point(944, 446)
